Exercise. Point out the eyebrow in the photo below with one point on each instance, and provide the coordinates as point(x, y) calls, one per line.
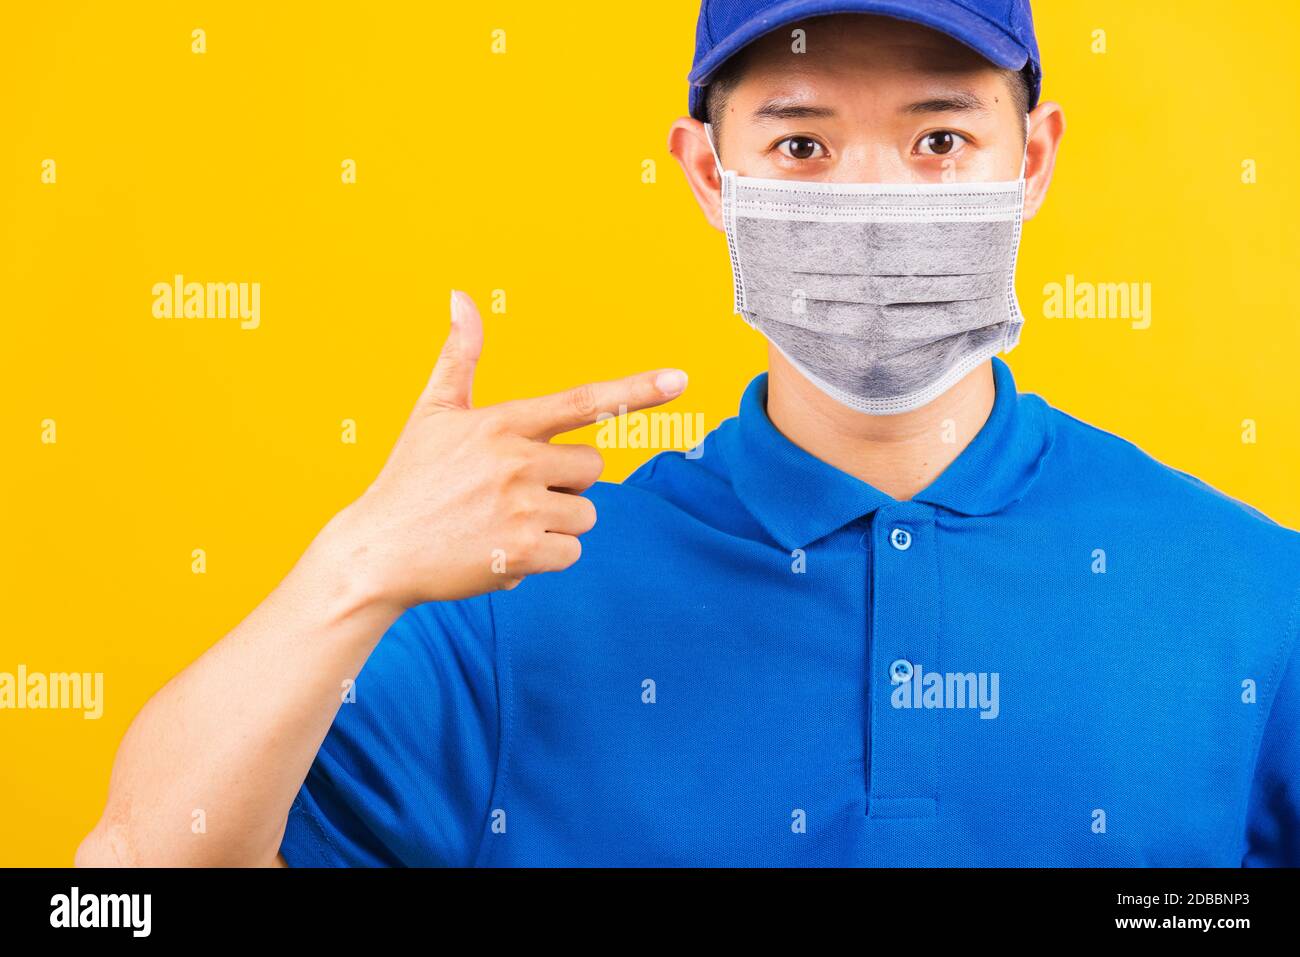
point(784, 108)
point(959, 101)
point(781, 108)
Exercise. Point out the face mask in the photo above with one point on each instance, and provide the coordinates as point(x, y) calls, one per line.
point(882, 296)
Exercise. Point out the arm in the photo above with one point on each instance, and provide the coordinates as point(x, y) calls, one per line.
point(470, 501)
point(234, 734)
point(1273, 822)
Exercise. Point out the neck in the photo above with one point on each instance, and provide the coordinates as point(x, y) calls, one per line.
point(898, 454)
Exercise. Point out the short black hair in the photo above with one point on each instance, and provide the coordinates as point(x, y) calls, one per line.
point(1020, 82)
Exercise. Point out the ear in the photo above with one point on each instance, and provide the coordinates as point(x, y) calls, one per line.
point(1046, 127)
point(689, 145)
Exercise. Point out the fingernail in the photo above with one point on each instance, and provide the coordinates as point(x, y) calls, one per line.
point(671, 382)
point(455, 310)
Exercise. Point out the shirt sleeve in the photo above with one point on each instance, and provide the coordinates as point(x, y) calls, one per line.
point(1273, 825)
point(405, 775)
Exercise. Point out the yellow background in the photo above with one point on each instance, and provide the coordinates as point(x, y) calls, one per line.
point(519, 171)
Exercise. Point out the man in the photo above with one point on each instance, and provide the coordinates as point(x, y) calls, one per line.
point(894, 613)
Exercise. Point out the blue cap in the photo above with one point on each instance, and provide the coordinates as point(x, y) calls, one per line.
point(1002, 31)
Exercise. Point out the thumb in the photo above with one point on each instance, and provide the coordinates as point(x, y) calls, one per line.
point(453, 376)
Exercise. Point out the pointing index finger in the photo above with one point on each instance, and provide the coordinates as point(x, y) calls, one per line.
point(549, 415)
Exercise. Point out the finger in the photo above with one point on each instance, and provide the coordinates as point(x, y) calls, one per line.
point(571, 467)
point(550, 415)
point(568, 514)
point(544, 552)
point(557, 552)
point(452, 380)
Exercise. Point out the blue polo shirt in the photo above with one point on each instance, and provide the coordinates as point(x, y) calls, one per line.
point(1062, 652)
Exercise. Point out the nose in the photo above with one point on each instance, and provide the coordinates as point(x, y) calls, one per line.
point(861, 161)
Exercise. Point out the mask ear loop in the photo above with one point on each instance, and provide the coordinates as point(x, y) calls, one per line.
point(1024, 158)
point(717, 161)
point(1012, 334)
point(729, 226)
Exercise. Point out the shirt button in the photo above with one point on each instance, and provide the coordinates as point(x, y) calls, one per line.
point(901, 539)
point(901, 671)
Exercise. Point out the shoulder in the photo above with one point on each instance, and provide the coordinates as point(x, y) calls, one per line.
point(1116, 476)
point(436, 637)
point(690, 488)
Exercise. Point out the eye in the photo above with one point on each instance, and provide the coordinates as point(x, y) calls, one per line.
point(940, 143)
point(800, 147)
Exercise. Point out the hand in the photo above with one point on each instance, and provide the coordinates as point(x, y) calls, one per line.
point(472, 500)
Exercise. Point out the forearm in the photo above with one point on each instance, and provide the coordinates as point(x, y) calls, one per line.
point(232, 737)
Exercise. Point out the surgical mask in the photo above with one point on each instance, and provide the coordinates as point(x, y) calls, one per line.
point(883, 296)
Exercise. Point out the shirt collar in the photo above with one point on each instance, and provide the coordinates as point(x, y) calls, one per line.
point(799, 498)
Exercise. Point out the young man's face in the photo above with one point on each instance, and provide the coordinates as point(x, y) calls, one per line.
point(871, 100)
